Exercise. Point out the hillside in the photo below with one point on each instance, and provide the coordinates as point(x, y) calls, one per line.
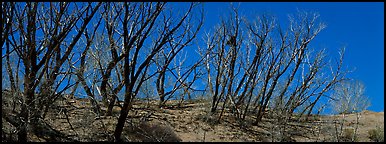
point(190, 123)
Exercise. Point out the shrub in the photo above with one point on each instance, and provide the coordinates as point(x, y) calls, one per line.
point(376, 135)
point(207, 118)
point(348, 135)
point(156, 132)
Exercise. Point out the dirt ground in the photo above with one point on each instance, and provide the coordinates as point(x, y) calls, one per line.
point(192, 123)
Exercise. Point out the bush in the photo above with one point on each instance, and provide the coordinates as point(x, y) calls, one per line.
point(156, 132)
point(348, 135)
point(376, 135)
point(208, 118)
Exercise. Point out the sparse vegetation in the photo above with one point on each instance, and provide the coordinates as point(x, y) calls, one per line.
point(249, 80)
point(153, 132)
point(348, 135)
point(377, 134)
point(349, 98)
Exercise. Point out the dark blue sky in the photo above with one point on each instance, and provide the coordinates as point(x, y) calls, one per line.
point(358, 26)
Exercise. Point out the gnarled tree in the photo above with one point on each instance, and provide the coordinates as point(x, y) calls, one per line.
point(43, 36)
point(277, 63)
point(147, 29)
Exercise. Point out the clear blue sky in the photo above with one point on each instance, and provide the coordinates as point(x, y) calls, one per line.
point(358, 26)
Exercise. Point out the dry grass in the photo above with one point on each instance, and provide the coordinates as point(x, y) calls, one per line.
point(190, 123)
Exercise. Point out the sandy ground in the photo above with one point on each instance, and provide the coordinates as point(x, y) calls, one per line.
point(192, 124)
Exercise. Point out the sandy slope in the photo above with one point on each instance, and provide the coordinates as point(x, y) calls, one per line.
point(192, 124)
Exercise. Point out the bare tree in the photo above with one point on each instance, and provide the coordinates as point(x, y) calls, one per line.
point(277, 63)
point(7, 16)
point(109, 48)
point(183, 37)
point(89, 36)
point(113, 11)
point(40, 35)
point(222, 54)
point(348, 97)
point(139, 26)
point(103, 64)
point(6, 20)
point(178, 80)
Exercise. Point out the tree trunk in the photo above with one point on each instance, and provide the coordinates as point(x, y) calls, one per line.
point(25, 110)
point(122, 118)
point(22, 134)
point(160, 86)
point(111, 106)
